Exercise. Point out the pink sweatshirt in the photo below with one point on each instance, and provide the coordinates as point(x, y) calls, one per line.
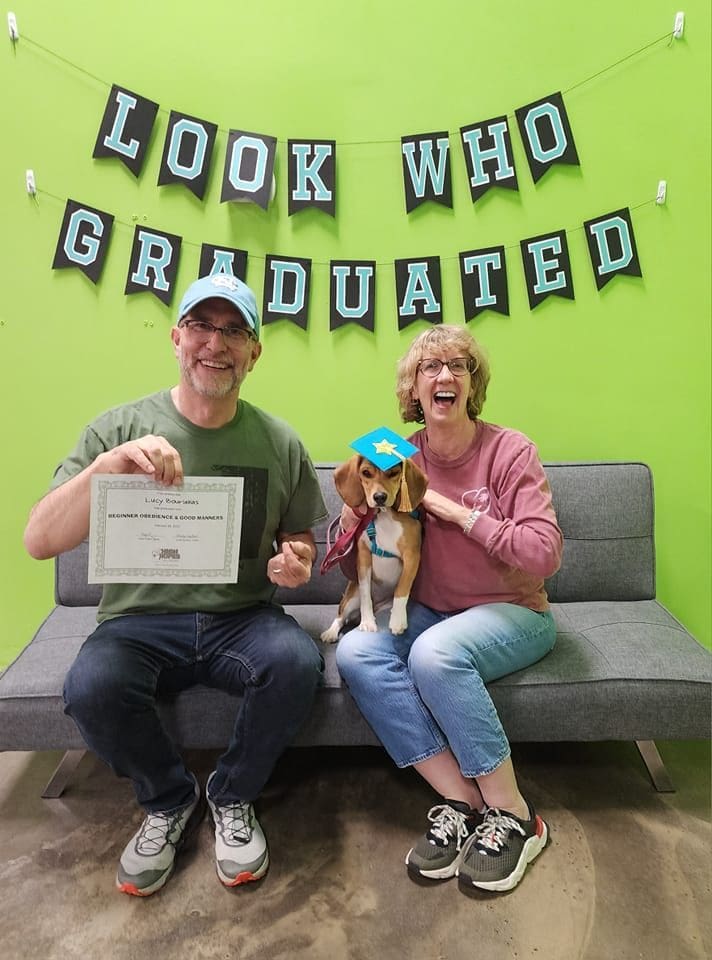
point(514, 544)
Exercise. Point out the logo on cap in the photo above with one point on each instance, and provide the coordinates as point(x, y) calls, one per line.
point(224, 280)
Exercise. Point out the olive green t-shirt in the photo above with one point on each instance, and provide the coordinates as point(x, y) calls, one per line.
point(281, 493)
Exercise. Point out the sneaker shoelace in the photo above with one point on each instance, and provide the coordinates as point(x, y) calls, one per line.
point(493, 832)
point(155, 833)
point(235, 823)
point(448, 824)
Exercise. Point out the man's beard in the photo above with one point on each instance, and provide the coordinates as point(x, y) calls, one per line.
point(212, 387)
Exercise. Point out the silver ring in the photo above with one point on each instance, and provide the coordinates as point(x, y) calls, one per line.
point(277, 570)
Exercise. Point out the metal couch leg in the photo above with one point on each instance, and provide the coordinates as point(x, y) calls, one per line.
point(62, 774)
point(655, 766)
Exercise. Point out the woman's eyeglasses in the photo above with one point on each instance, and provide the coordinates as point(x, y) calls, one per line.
point(458, 366)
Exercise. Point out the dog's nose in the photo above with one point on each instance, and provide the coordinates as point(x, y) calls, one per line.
point(379, 498)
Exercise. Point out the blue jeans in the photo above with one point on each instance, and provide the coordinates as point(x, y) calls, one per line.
point(260, 654)
point(424, 691)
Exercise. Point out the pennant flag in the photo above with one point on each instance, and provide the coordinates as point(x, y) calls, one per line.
point(353, 293)
point(418, 290)
point(286, 293)
point(312, 175)
point(611, 244)
point(187, 150)
point(546, 133)
point(154, 263)
point(488, 156)
point(547, 267)
point(83, 239)
point(249, 165)
point(426, 169)
point(126, 128)
point(225, 260)
point(483, 276)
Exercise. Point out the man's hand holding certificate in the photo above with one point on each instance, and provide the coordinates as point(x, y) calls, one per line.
point(145, 532)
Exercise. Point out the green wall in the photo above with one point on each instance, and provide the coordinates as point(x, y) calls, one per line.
point(613, 375)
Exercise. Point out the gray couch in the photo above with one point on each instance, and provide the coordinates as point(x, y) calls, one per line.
point(623, 667)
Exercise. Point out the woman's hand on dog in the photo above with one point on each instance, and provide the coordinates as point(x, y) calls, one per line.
point(293, 566)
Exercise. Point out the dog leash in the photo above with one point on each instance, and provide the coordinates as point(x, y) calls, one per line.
point(343, 544)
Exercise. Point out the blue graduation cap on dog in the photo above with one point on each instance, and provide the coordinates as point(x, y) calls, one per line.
point(385, 449)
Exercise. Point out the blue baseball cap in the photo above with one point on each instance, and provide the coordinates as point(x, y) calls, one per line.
point(226, 287)
point(383, 448)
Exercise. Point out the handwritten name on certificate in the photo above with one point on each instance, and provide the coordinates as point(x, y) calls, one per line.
point(143, 532)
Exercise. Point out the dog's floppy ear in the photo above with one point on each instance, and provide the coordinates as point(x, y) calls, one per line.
point(416, 482)
point(348, 483)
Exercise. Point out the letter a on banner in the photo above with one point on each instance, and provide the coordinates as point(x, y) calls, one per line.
point(353, 293)
point(228, 261)
point(547, 267)
point(546, 133)
point(186, 152)
point(418, 291)
point(286, 292)
point(312, 175)
point(426, 169)
point(249, 165)
point(611, 244)
point(83, 239)
point(126, 128)
point(154, 263)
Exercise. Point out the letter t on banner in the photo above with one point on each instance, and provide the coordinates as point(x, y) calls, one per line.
point(483, 276)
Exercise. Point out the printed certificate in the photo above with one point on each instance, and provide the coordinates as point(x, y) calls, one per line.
point(143, 532)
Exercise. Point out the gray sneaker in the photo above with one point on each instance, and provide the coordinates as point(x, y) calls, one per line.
point(149, 857)
point(240, 847)
point(437, 854)
point(496, 857)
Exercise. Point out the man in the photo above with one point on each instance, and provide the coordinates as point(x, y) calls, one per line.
point(161, 638)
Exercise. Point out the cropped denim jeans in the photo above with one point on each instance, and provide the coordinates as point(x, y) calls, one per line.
point(424, 691)
point(129, 662)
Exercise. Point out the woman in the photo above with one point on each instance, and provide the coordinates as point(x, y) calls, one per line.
point(478, 611)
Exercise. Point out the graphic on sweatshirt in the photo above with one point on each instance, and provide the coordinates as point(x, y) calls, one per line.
point(476, 499)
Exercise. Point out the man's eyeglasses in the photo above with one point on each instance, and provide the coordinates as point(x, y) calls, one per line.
point(203, 330)
point(458, 366)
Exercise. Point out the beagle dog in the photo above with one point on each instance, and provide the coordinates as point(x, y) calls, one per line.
point(388, 549)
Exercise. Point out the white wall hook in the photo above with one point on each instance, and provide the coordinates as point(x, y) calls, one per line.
point(679, 27)
point(662, 193)
point(30, 182)
point(12, 27)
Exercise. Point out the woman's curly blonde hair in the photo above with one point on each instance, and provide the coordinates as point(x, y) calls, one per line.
point(440, 339)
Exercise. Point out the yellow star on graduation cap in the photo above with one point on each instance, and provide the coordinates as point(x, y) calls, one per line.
point(385, 447)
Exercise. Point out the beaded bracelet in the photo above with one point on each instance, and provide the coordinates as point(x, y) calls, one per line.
point(471, 521)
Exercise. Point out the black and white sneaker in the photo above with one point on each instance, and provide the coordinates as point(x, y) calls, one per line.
point(437, 854)
point(497, 854)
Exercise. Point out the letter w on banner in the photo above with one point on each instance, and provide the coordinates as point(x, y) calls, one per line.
point(426, 169)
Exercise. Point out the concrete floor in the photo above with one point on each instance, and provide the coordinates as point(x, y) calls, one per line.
point(625, 877)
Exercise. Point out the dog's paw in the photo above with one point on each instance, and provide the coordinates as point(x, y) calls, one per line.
point(397, 625)
point(368, 626)
point(331, 635)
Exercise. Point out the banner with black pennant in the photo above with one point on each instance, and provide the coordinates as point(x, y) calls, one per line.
point(547, 267)
point(286, 290)
point(154, 263)
point(249, 166)
point(83, 239)
point(353, 293)
point(187, 150)
point(226, 260)
point(418, 290)
point(426, 169)
point(126, 128)
point(311, 176)
point(611, 244)
point(546, 134)
point(483, 276)
point(488, 156)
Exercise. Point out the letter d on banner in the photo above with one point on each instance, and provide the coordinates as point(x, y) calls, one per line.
point(286, 293)
point(611, 244)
